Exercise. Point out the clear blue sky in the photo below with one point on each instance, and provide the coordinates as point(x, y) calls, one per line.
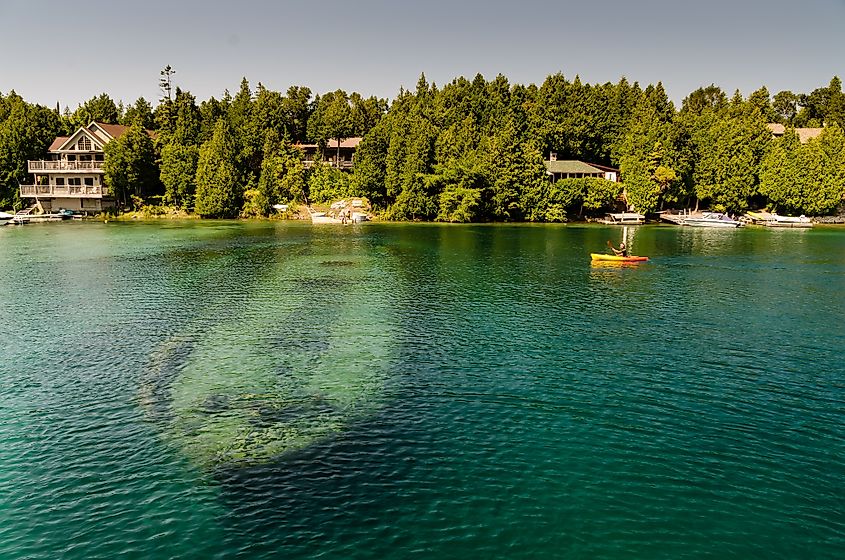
point(71, 51)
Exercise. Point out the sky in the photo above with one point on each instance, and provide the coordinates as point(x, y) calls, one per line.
point(68, 52)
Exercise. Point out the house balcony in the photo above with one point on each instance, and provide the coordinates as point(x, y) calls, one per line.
point(344, 164)
point(36, 166)
point(63, 191)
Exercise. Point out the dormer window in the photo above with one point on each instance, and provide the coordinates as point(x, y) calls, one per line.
point(84, 144)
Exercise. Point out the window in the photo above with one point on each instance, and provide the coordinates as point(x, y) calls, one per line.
point(76, 181)
point(84, 144)
point(60, 181)
point(89, 181)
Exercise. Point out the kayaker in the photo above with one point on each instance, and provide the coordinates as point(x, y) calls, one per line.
point(622, 251)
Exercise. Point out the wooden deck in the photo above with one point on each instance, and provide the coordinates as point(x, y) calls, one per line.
point(35, 166)
point(65, 191)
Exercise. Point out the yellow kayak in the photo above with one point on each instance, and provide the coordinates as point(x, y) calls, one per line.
point(614, 258)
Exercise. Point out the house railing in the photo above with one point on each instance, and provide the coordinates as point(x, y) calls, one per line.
point(61, 165)
point(73, 191)
point(344, 164)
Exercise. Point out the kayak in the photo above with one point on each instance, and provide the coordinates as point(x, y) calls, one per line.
point(614, 258)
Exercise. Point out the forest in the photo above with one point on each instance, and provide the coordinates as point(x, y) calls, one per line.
point(471, 150)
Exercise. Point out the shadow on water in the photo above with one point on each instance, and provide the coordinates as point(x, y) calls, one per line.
point(298, 504)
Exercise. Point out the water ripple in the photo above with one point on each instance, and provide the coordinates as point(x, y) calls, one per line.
point(491, 394)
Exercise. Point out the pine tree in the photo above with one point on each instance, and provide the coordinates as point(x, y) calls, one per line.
point(179, 174)
point(219, 192)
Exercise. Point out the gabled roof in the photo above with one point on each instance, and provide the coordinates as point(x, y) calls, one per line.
point(605, 168)
point(571, 166)
point(100, 133)
point(57, 142)
point(97, 140)
point(112, 130)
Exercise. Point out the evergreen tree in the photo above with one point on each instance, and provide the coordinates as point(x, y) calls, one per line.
point(297, 108)
point(100, 109)
point(823, 171)
point(187, 126)
point(461, 185)
point(707, 99)
point(761, 102)
point(141, 112)
point(332, 120)
point(836, 104)
point(505, 168)
point(26, 131)
point(535, 185)
point(365, 113)
point(212, 111)
point(269, 189)
point(727, 170)
point(780, 175)
point(219, 193)
point(179, 173)
point(327, 183)
point(247, 137)
point(368, 178)
point(645, 159)
point(292, 185)
point(130, 165)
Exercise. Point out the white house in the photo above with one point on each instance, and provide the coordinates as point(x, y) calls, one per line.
point(71, 177)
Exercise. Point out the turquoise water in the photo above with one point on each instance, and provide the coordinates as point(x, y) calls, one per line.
point(259, 390)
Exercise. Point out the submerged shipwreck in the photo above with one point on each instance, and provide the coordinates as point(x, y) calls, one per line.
point(280, 376)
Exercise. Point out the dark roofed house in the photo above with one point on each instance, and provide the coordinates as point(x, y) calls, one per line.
point(341, 157)
point(574, 169)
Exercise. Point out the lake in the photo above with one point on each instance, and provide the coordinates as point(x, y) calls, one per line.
point(277, 390)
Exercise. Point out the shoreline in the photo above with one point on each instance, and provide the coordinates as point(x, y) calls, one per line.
point(137, 217)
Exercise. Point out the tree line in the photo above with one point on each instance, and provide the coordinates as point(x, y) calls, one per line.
point(471, 150)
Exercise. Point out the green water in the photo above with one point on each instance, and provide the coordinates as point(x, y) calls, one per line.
point(258, 390)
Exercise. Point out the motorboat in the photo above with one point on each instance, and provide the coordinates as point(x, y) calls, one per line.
point(710, 219)
point(774, 220)
point(6, 218)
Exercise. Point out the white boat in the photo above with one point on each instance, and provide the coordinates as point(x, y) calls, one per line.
point(774, 220)
point(322, 218)
point(5, 218)
point(711, 219)
point(789, 221)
